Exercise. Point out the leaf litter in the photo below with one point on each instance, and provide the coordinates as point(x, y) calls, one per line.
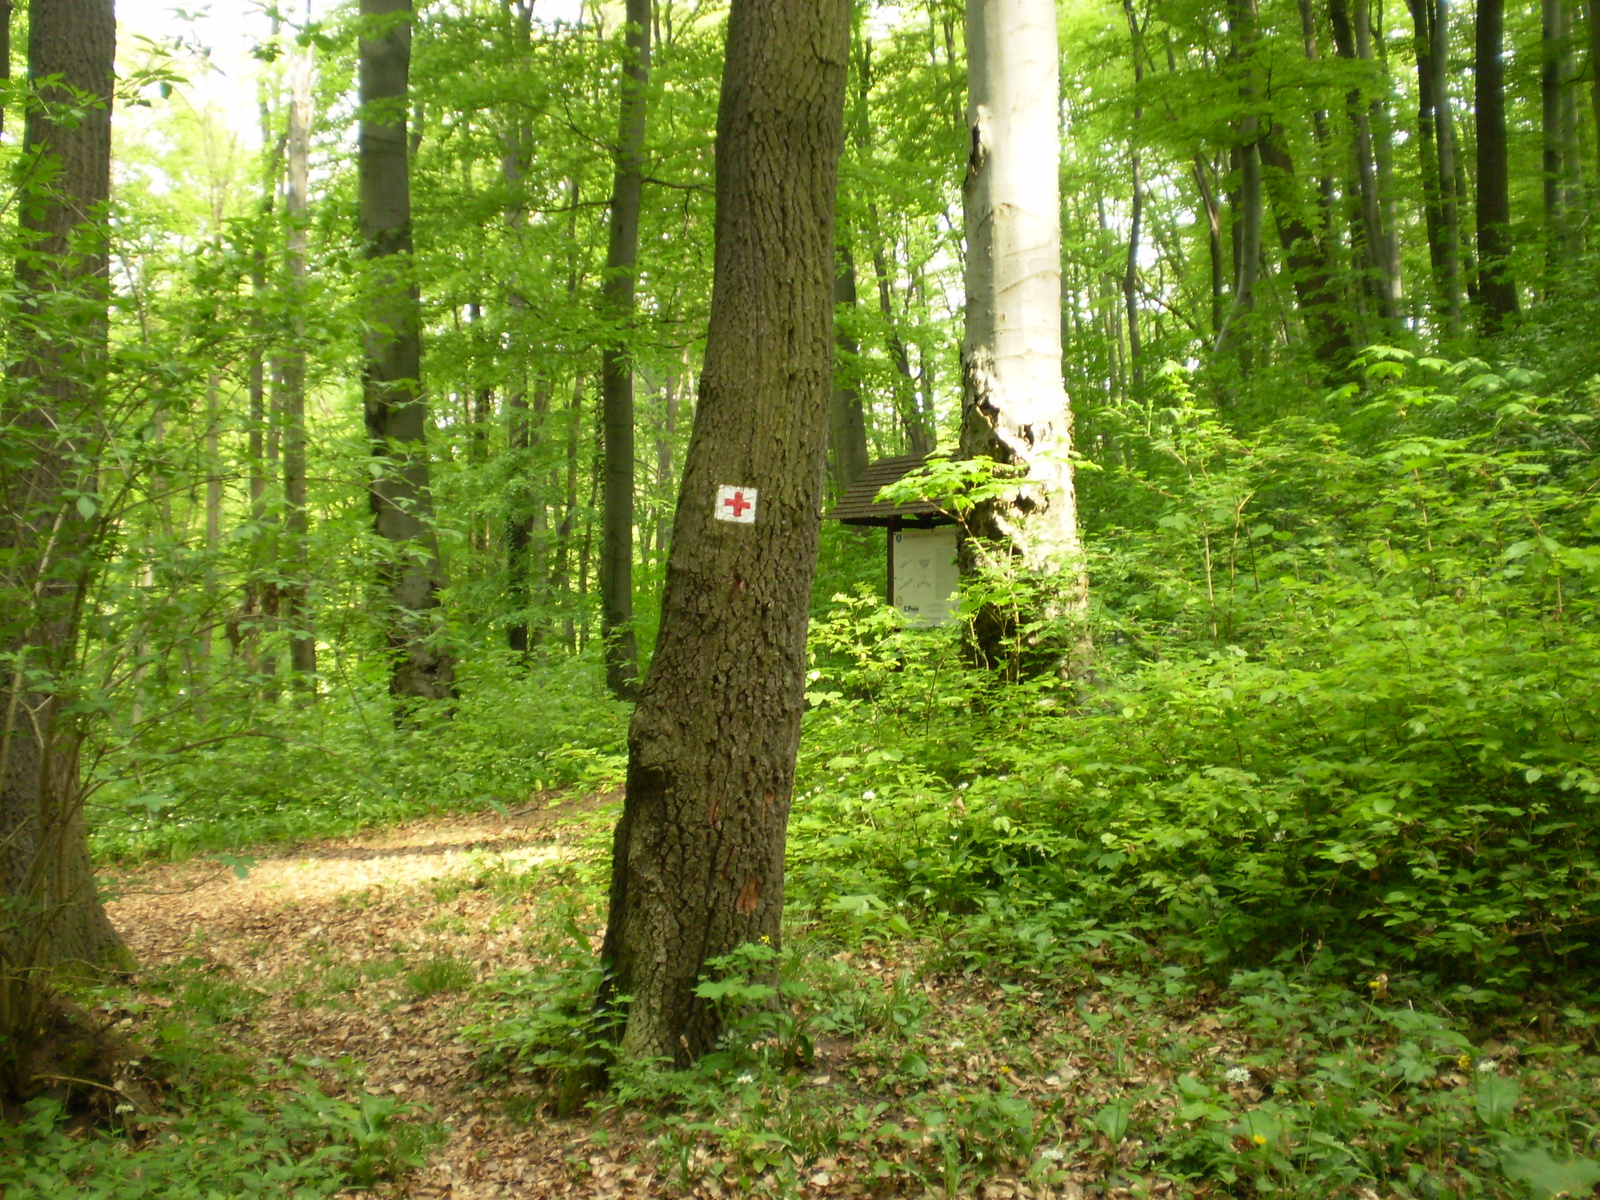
point(365, 958)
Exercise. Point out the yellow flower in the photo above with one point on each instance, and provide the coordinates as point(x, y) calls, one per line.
point(1464, 1061)
point(1259, 1140)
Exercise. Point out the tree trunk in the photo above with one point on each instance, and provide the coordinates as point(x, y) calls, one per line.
point(522, 437)
point(1350, 41)
point(296, 611)
point(1311, 270)
point(697, 867)
point(396, 412)
point(1497, 291)
point(847, 422)
point(1014, 408)
point(1427, 140)
point(1592, 20)
point(616, 369)
point(50, 913)
point(1130, 270)
point(1550, 46)
point(1208, 200)
point(6, 8)
point(1449, 185)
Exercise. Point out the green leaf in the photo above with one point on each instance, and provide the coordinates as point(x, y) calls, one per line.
point(1495, 1100)
point(1547, 1177)
point(86, 507)
point(1112, 1120)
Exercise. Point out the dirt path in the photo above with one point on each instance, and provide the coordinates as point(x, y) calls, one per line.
point(332, 937)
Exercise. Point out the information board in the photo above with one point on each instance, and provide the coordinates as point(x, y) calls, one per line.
point(925, 577)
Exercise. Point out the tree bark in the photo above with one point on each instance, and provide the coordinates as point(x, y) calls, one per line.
point(1247, 226)
point(1352, 44)
point(847, 421)
point(1497, 291)
point(396, 410)
point(1550, 127)
point(1130, 270)
point(1014, 408)
point(6, 9)
point(296, 517)
point(50, 913)
point(1311, 270)
point(697, 866)
point(621, 648)
point(1449, 185)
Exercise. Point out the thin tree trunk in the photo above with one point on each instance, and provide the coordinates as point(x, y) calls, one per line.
point(1214, 243)
point(1571, 139)
point(1311, 269)
point(396, 411)
point(213, 471)
point(1427, 140)
point(1449, 185)
point(522, 437)
point(50, 912)
point(6, 9)
point(1350, 41)
point(1130, 271)
point(296, 518)
point(847, 422)
point(616, 369)
point(1592, 20)
point(697, 868)
point(1552, 35)
point(1497, 291)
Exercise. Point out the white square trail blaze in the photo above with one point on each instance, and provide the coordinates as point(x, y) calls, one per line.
point(737, 504)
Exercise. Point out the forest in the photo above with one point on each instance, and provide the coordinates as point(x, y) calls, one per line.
point(468, 722)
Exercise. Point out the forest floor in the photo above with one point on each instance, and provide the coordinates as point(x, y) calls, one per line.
point(363, 965)
point(357, 956)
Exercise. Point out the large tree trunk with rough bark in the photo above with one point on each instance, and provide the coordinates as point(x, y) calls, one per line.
point(697, 866)
point(50, 914)
point(396, 410)
point(1014, 407)
point(616, 365)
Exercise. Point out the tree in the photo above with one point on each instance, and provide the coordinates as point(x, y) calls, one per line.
point(51, 411)
point(396, 409)
point(1014, 407)
point(1497, 292)
point(296, 611)
point(697, 863)
point(847, 422)
point(616, 370)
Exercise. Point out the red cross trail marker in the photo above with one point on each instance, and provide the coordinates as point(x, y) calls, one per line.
point(736, 504)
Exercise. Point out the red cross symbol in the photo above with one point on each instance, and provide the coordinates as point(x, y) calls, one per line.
point(738, 504)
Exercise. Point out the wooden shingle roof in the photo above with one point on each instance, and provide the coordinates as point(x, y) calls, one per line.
point(859, 505)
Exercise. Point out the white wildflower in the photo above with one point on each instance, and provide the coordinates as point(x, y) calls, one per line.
point(1054, 1154)
point(957, 1044)
point(747, 1078)
point(1237, 1074)
point(1487, 1065)
point(962, 786)
point(124, 1108)
point(869, 794)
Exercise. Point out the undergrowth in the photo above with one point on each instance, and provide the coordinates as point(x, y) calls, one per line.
point(193, 1118)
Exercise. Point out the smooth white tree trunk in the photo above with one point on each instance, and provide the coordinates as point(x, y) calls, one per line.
point(1015, 407)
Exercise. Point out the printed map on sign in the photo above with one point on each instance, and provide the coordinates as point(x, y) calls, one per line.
point(737, 504)
point(925, 578)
